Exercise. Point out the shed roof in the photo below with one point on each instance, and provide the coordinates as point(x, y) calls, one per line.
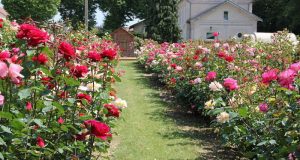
point(123, 30)
point(222, 4)
point(2, 11)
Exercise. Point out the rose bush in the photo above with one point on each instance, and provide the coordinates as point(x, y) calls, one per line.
point(54, 93)
point(251, 89)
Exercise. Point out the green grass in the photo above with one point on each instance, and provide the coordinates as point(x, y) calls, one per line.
point(152, 129)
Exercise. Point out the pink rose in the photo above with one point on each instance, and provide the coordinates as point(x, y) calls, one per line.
point(1, 100)
point(14, 72)
point(263, 107)
point(211, 76)
point(295, 67)
point(269, 76)
point(287, 78)
point(230, 84)
point(3, 69)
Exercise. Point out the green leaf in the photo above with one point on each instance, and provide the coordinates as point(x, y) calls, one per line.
point(272, 141)
point(262, 143)
point(117, 78)
point(5, 129)
point(6, 115)
point(39, 122)
point(2, 143)
point(60, 150)
point(71, 81)
point(1, 156)
point(17, 124)
point(25, 93)
point(48, 51)
point(243, 112)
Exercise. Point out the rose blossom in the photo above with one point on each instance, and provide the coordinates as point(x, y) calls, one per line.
point(263, 107)
point(82, 96)
point(40, 142)
point(209, 104)
point(110, 54)
point(28, 106)
point(269, 76)
point(79, 71)
point(98, 129)
point(211, 76)
point(286, 78)
point(215, 86)
point(3, 69)
point(1, 100)
point(4, 55)
point(295, 66)
point(112, 110)
point(94, 56)
point(41, 59)
point(223, 117)
point(14, 72)
point(197, 81)
point(32, 34)
point(120, 103)
point(67, 50)
point(230, 84)
point(60, 120)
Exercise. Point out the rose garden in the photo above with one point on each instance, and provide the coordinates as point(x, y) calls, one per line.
point(69, 93)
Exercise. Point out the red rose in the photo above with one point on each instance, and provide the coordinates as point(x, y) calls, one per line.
point(94, 56)
point(60, 120)
point(40, 142)
point(98, 129)
point(79, 71)
point(82, 96)
point(112, 110)
point(63, 94)
point(47, 82)
point(41, 58)
point(81, 137)
point(1, 23)
point(28, 106)
point(229, 58)
point(4, 55)
point(173, 66)
point(222, 54)
point(67, 50)
point(110, 54)
point(32, 34)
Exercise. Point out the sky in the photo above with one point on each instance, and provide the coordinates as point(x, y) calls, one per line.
point(100, 16)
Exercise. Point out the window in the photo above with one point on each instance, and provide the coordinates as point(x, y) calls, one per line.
point(210, 35)
point(226, 15)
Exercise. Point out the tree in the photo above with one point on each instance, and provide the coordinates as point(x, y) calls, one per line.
point(73, 10)
point(162, 21)
point(38, 10)
point(278, 15)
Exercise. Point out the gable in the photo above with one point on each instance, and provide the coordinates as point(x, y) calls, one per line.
point(217, 13)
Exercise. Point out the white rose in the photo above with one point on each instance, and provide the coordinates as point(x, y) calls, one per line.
point(215, 86)
point(223, 117)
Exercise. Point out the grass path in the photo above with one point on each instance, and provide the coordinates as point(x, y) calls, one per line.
point(152, 130)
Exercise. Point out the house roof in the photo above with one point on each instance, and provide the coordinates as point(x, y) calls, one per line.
point(222, 4)
point(138, 23)
point(2, 11)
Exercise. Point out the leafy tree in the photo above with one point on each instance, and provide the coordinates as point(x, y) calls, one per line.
point(73, 10)
point(278, 15)
point(162, 21)
point(38, 10)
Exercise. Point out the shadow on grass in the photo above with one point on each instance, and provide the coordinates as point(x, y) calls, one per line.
point(191, 125)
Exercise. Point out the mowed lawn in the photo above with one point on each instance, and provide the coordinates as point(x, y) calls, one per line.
point(146, 131)
point(153, 129)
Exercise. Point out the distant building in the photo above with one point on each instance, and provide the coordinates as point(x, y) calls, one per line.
point(3, 13)
point(138, 28)
point(198, 19)
point(125, 40)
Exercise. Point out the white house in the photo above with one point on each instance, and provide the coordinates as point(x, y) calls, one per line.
point(198, 19)
point(3, 13)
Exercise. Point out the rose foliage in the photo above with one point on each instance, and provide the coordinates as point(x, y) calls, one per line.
point(54, 94)
point(250, 89)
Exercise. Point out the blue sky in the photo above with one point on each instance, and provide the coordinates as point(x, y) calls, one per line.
point(100, 16)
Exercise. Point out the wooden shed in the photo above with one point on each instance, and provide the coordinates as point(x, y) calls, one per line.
point(125, 40)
